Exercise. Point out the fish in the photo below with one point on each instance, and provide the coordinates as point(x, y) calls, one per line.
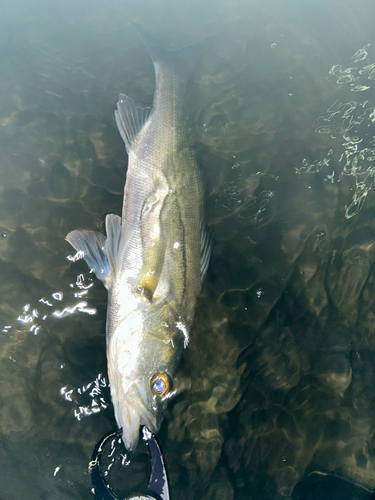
point(154, 257)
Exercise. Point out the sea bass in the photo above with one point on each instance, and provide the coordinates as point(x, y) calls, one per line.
point(153, 258)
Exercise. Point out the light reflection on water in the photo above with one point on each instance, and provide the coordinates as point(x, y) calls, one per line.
point(98, 402)
point(32, 318)
point(357, 151)
point(84, 404)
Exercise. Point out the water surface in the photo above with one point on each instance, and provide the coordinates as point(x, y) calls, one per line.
point(280, 368)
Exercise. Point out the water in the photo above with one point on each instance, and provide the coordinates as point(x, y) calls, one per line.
point(279, 371)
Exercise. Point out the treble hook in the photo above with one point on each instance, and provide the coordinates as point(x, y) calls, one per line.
point(157, 488)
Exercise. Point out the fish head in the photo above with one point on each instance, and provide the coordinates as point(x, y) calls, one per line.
point(142, 358)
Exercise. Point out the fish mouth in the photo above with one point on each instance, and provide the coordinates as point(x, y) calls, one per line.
point(128, 421)
point(131, 412)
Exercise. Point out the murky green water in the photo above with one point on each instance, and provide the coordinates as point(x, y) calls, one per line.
point(280, 368)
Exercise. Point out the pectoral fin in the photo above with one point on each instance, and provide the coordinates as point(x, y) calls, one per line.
point(150, 274)
point(153, 241)
point(91, 246)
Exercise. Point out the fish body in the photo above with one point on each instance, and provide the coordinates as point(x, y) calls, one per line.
point(155, 256)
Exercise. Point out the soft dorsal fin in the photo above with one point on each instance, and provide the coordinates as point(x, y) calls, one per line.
point(130, 119)
point(205, 250)
point(90, 246)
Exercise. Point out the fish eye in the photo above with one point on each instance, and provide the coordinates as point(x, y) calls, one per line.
point(160, 384)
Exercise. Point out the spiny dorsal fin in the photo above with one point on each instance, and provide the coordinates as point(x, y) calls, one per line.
point(130, 119)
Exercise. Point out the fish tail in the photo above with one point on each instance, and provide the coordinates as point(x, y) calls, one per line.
point(185, 60)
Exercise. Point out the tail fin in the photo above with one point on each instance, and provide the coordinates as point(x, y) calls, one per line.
point(184, 60)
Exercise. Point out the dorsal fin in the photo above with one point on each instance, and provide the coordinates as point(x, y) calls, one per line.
point(130, 119)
